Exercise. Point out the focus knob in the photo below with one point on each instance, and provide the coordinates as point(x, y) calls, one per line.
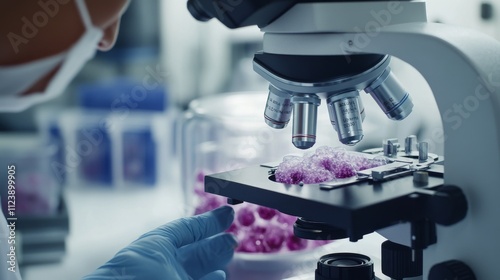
point(345, 266)
point(451, 270)
point(447, 206)
point(398, 261)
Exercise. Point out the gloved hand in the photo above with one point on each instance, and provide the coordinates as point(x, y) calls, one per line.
point(187, 248)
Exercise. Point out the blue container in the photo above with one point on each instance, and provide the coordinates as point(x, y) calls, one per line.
point(123, 95)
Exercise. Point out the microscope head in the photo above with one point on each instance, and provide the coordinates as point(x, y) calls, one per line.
point(241, 13)
point(298, 82)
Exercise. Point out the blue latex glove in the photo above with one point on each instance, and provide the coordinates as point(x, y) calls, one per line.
point(188, 248)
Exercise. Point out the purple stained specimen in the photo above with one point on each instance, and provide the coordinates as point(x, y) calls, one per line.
point(233, 229)
point(245, 217)
point(208, 202)
point(325, 164)
point(294, 243)
point(286, 220)
point(200, 177)
point(266, 213)
point(251, 244)
point(258, 229)
point(273, 240)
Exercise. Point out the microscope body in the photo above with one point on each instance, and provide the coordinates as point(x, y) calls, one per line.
point(461, 67)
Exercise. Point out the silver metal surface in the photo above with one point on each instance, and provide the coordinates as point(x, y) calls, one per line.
point(421, 177)
point(390, 96)
point(362, 111)
point(338, 183)
point(382, 172)
point(345, 116)
point(305, 113)
point(399, 165)
point(410, 144)
point(391, 147)
point(423, 151)
point(278, 108)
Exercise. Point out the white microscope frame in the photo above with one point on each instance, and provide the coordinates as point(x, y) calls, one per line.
point(461, 66)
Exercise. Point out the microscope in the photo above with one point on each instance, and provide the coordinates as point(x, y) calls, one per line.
point(332, 50)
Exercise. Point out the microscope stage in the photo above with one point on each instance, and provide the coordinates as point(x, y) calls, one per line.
point(356, 206)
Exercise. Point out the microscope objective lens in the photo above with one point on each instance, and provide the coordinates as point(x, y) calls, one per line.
point(305, 113)
point(278, 108)
point(345, 116)
point(390, 96)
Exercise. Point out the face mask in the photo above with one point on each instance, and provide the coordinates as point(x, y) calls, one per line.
point(16, 79)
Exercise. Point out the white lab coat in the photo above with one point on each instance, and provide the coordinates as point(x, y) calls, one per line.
point(5, 273)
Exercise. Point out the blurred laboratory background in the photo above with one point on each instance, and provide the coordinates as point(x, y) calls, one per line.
point(122, 150)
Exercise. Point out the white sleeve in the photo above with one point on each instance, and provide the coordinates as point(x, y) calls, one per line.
point(8, 271)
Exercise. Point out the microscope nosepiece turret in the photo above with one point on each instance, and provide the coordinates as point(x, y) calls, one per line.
point(298, 82)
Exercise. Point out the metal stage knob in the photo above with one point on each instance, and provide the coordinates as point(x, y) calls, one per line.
point(453, 270)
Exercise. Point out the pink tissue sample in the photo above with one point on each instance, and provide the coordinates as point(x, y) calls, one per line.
point(326, 164)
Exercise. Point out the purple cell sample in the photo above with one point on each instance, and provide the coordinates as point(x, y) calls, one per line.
point(245, 217)
point(200, 177)
point(266, 213)
point(207, 202)
point(233, 229)
point(286, 220)
point(294, 243)
point(273, 240)
point(258, 230)
point(251, 244)
point(325, 164)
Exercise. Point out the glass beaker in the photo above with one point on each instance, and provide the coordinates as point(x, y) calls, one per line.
point(224, 132)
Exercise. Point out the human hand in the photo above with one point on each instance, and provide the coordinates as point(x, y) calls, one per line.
point(187, 248)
